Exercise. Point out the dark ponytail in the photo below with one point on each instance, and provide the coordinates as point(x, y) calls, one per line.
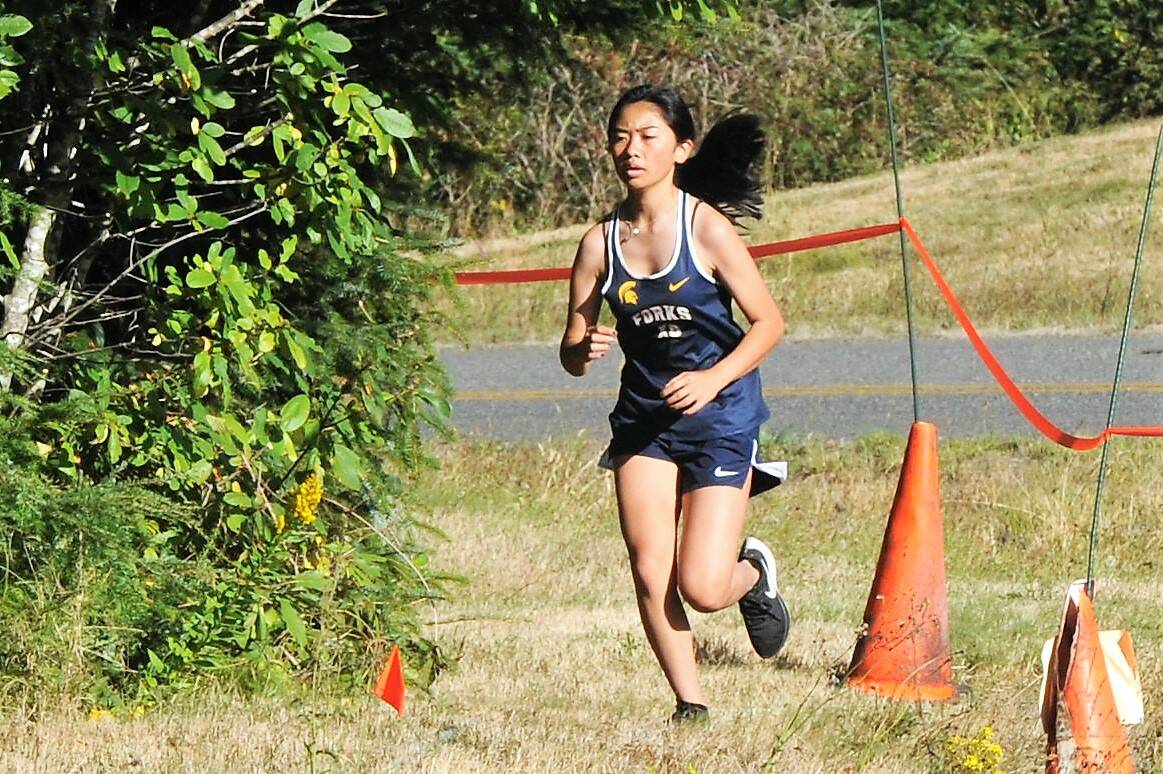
point(721, 172)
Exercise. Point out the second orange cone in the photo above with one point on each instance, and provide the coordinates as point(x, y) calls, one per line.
point(1079, 712)
point(904, 651)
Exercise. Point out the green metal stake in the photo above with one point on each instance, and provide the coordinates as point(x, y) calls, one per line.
point(1110, 417)
point(900, 208)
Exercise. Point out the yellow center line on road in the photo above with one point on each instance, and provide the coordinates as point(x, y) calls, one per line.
point(835, 391)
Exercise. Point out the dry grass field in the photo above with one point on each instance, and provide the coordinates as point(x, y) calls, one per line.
point(554, 673)
point(1038, 236)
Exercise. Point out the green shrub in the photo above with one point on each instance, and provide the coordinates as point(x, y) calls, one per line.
point(966, 78)
point(115, 590)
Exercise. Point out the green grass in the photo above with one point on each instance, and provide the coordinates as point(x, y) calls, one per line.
point(1038, 236)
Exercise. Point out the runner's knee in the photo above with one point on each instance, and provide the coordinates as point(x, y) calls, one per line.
point(652, 573)
point(703, 592)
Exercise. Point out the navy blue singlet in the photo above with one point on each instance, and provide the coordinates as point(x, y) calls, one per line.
point(678, 319)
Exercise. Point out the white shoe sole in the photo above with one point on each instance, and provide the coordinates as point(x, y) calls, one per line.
point(757, 545)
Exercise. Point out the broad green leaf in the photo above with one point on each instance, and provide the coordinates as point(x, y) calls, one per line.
point(13, 26)
point(185, 65)
point(277, 25)
point(202, 374)
point(313, 580)
point(327, 39)
point(236, 429)
point(297, 353)
point(288, 247)
point(346, 466)
point(199, 278)
point(200, 471)
point(213, 219)
point(295, 412)
point(213, 129)
point(8, 80)
point(202, 167)
point(211, 148)
point(258, 425)
point(235, 521)
point(394, 122)
point(189, 203)
point(219, 99)
point(113, 444)
point(126, 184)
point(238, 500)
point(293, 621)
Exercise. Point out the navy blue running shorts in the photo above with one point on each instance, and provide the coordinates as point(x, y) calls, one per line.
point(722, 461)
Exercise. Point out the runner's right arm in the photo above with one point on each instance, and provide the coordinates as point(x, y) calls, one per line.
point(584, 341)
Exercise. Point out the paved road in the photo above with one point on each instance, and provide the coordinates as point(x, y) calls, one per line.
point(837, 389)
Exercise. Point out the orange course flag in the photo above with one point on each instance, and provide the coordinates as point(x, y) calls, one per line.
point(390, 683)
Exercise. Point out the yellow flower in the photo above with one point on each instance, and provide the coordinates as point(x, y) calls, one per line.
point(975, 753)
point(100, 714)
point(308, 496)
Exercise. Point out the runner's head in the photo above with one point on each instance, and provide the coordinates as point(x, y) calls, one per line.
point(652, 134)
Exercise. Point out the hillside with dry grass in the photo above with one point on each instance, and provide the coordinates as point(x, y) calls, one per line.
point(1038, 236)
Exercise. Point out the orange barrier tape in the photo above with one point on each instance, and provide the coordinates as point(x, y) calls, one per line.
point(758, 251)
point(1023, 404)
point(1029, 411)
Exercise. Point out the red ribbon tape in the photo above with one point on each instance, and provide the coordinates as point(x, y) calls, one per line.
point(1015, 394)
point(1023, 404)
point(758, 251)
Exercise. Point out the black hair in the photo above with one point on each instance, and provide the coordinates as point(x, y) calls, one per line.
point(721, 172)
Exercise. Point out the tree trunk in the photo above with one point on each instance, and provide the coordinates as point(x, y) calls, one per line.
point(33, 266)
point(38, 258)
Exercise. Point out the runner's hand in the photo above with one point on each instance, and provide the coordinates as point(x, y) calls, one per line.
point(598, 340)
point(691, 390)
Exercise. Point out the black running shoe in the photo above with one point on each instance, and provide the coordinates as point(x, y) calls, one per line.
point(689, 712)
point(765, 614)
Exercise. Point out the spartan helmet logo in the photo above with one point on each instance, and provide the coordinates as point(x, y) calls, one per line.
point(628, 292)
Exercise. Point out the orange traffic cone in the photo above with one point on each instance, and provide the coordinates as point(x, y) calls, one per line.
point(904, 650)
point(390, 683)
point(1088, 736)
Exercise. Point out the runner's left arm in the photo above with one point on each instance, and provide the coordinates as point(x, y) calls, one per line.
point(722, 251)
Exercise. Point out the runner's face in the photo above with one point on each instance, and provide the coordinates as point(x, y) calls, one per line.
point(644, 147)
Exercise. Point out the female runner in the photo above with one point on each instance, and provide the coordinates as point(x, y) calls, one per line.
point(669, 262)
